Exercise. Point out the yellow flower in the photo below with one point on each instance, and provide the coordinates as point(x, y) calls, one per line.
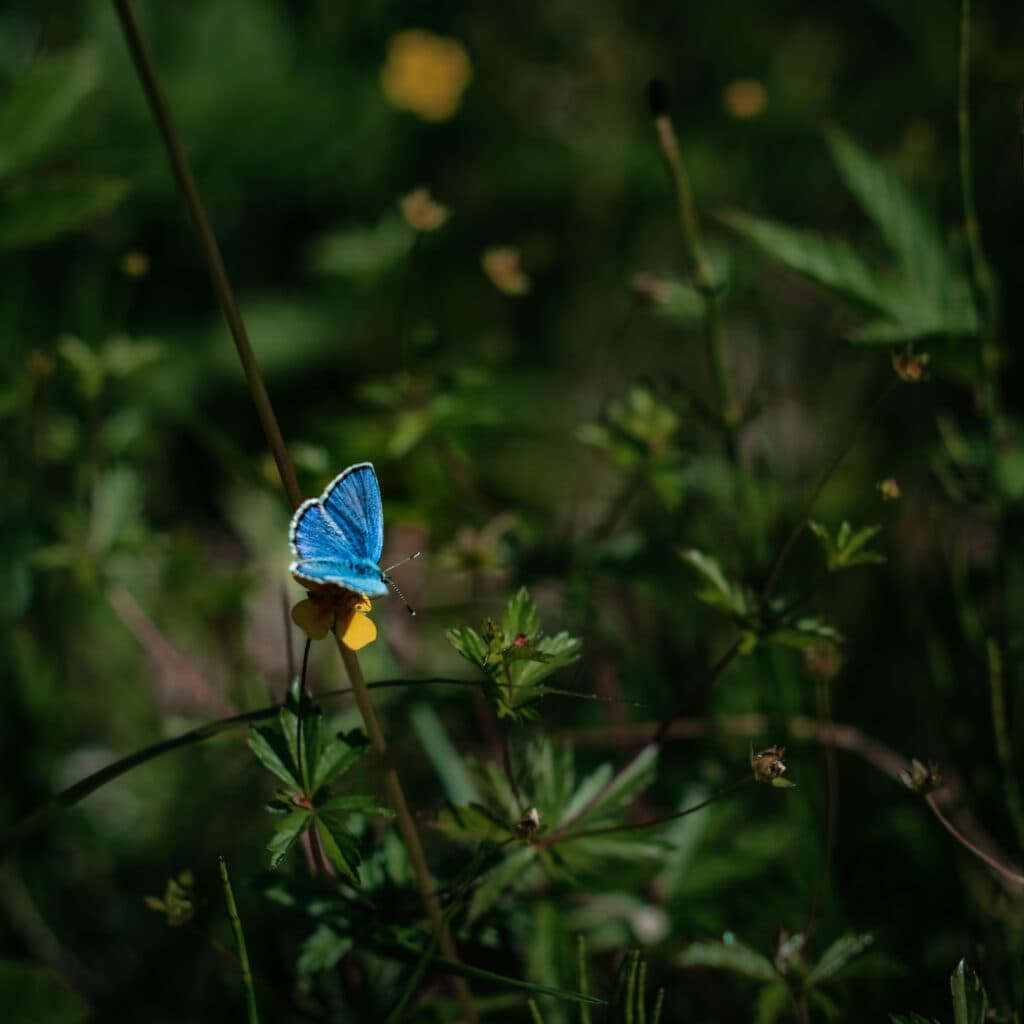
point(339, 611)
point(422, 211)
point(425, 73)
point(504, 266)
point(745, 98)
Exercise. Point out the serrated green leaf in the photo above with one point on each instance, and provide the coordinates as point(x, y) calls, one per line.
point(286, 832)
point(520, 616)
point(970, 1000)
point(40, 105)
point(446, 760)
point(322, 950)
point(912, 236)
point(355, 804)
point(832, 962)
point(32, 993)
point(340, 846)
point(469, 643)
point(336, 758)
point(38, 210)
point(270, 748)
point(501, 877)
point(730, 955)
point(720, 592)
point(830, 263)
point(773, 1002)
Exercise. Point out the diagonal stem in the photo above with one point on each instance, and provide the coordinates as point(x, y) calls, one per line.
point(286, 469)
point(208, 245)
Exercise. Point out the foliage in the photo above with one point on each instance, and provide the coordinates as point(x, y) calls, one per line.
point(637, 442)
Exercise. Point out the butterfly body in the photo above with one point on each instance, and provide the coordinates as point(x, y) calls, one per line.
point(337, 539)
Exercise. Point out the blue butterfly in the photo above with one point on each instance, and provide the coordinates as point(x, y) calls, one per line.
point(337, 538)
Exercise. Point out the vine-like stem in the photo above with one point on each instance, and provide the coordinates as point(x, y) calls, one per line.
point(980, 276)
point(208, 245)
point(286, 469)
point(406, 826)
point(840, 457)
point(703, 275)
point(558, 837)
point(243, 955)
point(1012, 876)
point(828, 750)
point(1004, 748)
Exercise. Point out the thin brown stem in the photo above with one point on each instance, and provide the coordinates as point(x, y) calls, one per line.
point(406, 826)
point(1001, 869)
point(286, 469)
point(828, 750)
point(640, 826)
point(208, 245)
point(787, 548)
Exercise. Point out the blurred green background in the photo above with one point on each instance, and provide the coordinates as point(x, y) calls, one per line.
point(143, 578)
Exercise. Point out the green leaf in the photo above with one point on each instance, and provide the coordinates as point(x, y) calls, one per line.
point(830, 263)
point(38, 210)
point(322, 950)
point(970, 1000)
point(470, 644)
point(339, 845)
point(271, 749)
point(286, 832)
point(832, 962)
point(40, 106)
point(730, 955)
point(911, 1018)
point(913, 237)
point(520, 615)
point(336, 758)
point(628, 784)
point(364, 253)
point(720, 592)
point(805, 633)
point(848, 548)
point(355, 805)
point(773, 1002)
point(512, 869)
point(32, 993)
point(446, 760)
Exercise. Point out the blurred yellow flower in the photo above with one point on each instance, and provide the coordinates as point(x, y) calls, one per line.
point(745, 98)
point(338, 611)
point(426, 73)
point(503, 264)
point(422, 211)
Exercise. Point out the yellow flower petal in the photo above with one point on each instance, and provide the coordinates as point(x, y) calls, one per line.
point(313, 617)
point(359, 632)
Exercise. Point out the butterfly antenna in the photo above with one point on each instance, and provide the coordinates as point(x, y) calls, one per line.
point(394, 586)
point(402, 562)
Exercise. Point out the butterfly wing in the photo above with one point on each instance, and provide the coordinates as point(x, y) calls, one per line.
point(352, 503)
point(337, 538)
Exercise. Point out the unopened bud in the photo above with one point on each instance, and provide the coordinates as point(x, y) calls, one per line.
point(767, 764)
point(909, 368)
point(922, 779)
point(889, 489)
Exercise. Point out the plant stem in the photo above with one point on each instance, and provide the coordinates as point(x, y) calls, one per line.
point(824, 717)
point(406, 826)
point(703, 277)
point(225, 295)
point(980, 276)
point(209, 247)
point(1004, 748)
point(1013, 876)
point(786, 550)
point(640, 826)
point(243, 955)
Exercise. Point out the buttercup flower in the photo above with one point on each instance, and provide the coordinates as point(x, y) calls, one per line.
point(422, 212)
point(504, 266)
point(426, 73)
point(339, 611)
